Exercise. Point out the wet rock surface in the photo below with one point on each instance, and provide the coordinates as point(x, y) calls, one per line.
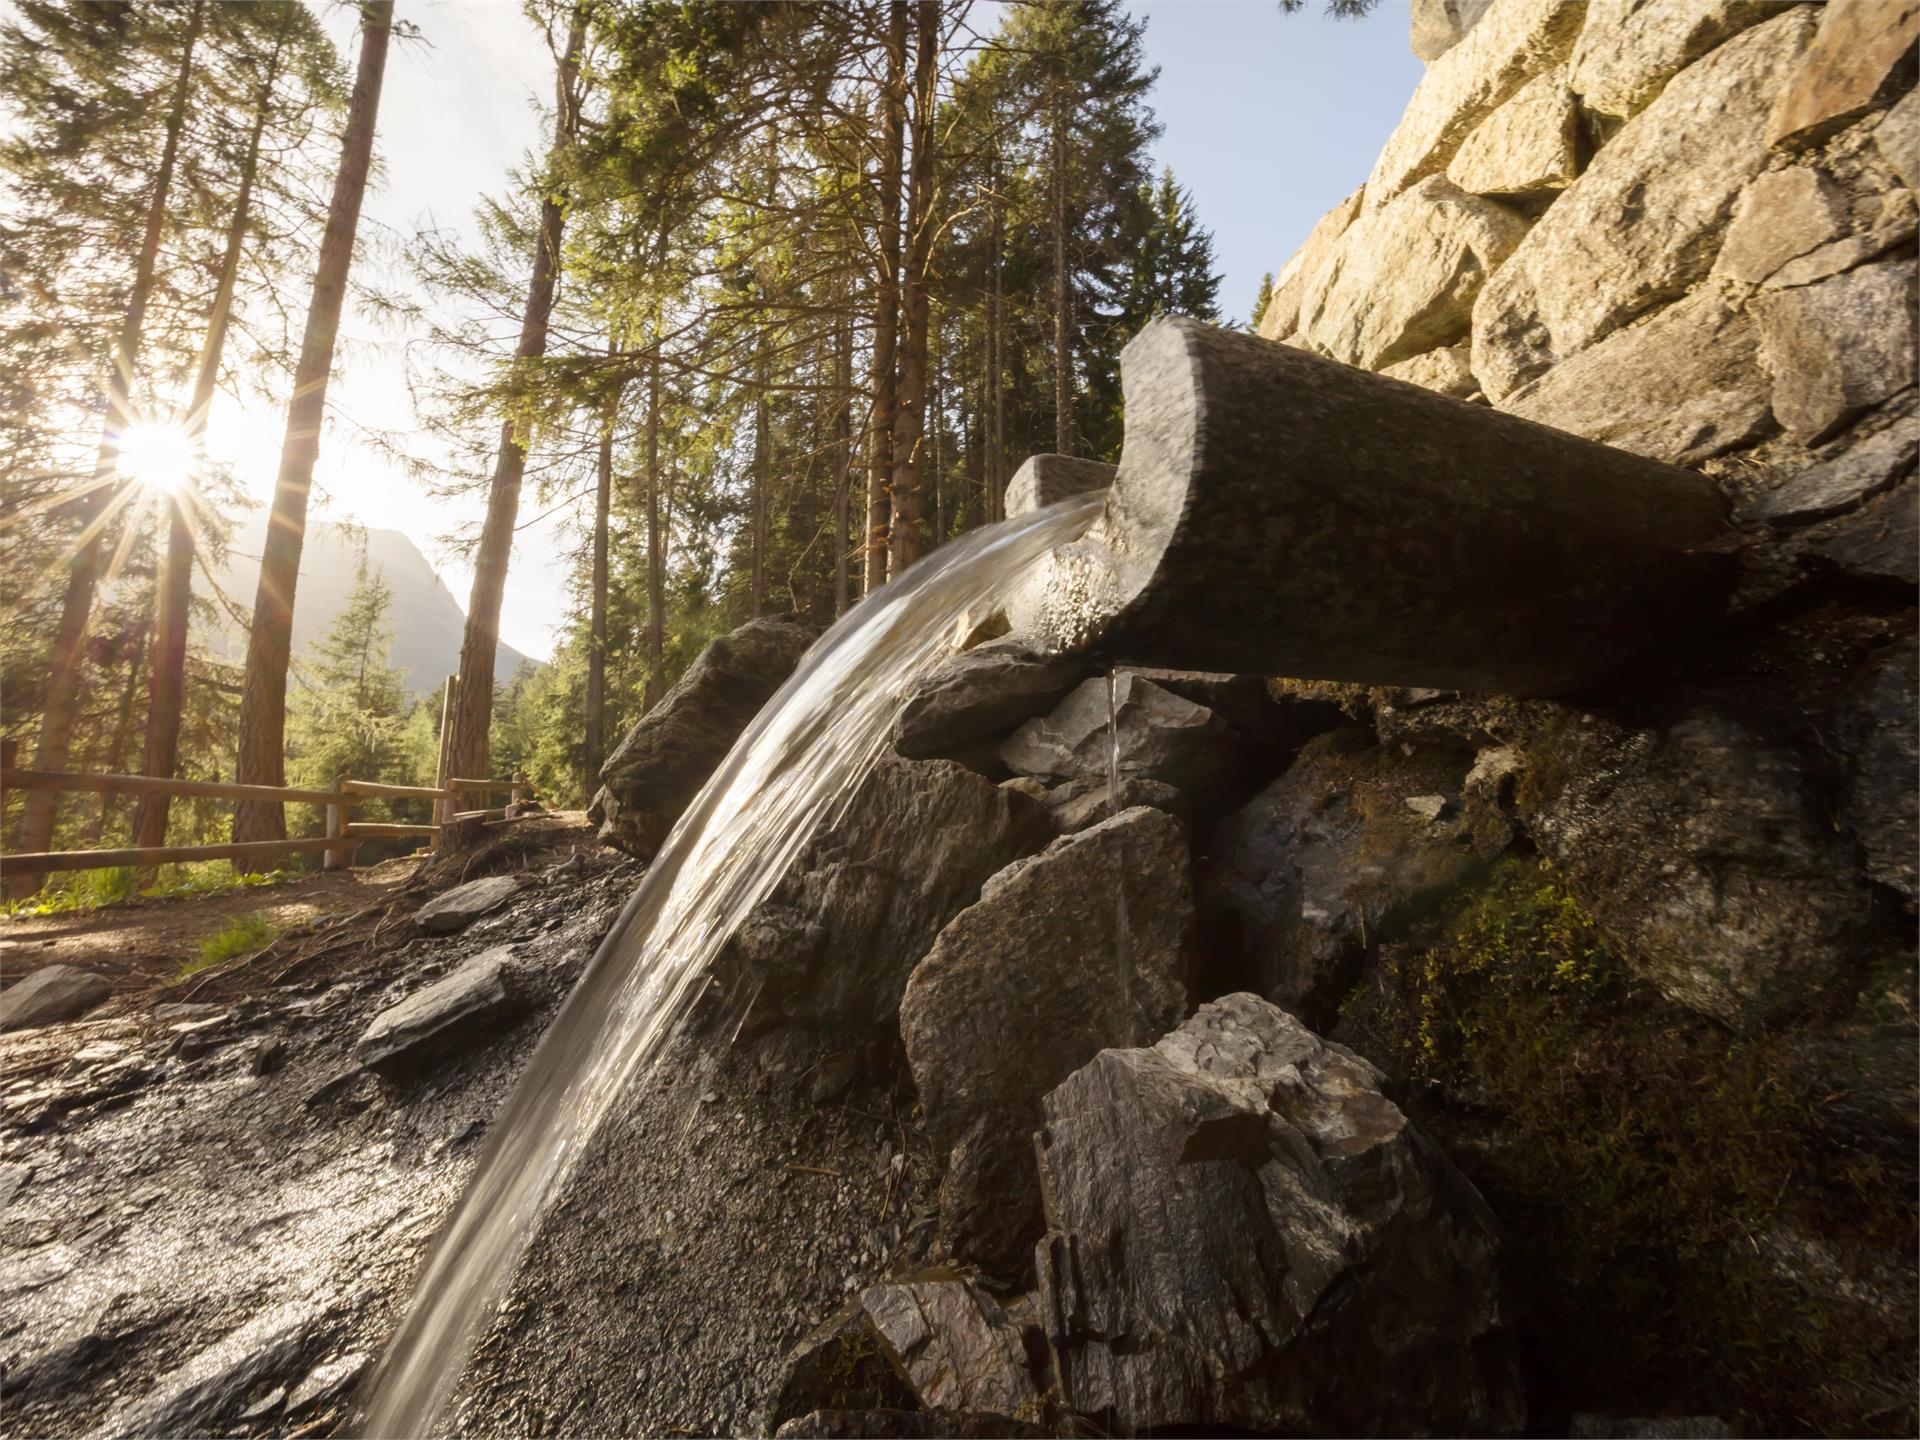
point(1080, 947)
point(1145, 729)
point(1244, 1232)
point(459, 907)
point(654, 773)
point(834, 943)
point(49, 995)
point(983, 692)
point(1329, 858)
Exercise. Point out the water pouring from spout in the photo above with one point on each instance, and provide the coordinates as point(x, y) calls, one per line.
point(805, 752)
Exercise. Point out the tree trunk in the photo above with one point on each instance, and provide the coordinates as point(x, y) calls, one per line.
point(76, 606)
point(1062, 324)
point(762, 460)
point(656, 534)
point(470, 753)
point(597, 619)
point(886, 319)
point(997, 365)
point(173, 593)
point(843, 450)
point(909, 530)
point(122, 740)
point(263, 700)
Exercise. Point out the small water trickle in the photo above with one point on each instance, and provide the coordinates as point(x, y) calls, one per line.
point(802, 755)
point(1123, 932)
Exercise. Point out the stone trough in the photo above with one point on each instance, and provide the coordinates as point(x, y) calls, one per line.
point(1278, 513)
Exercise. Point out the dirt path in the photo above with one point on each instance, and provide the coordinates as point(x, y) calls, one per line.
point(146, 942)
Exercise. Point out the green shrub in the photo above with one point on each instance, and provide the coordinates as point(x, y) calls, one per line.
point(242, 937)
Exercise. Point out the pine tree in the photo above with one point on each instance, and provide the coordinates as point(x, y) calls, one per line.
point(1261, 301)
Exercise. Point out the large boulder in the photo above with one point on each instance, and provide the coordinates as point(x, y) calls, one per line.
point(1302, 270)
point(1704, 852)
point(1080, 947)
point(1781, 216)
point(834, 943)
point(49, 995)
point(653, 775)
point(1636, 229)
point(1839, 347)
point(1529, 148)
point(1403, 278)
point(1629, 49)
point(1683, 387)
point(443, 1017)
point(1246, 1235)
point(1511, 42)
point(982, 693)
point(1853, 64)
point(1160, 735)
point(1314, 868)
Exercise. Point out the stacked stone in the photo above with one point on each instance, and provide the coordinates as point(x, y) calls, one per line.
point(1682, 227)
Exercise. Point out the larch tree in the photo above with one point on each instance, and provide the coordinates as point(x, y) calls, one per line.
point(97, 503)
point(263, 706)
point(468, 749)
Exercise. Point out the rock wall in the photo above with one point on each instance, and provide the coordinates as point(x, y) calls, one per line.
point(1683, 227)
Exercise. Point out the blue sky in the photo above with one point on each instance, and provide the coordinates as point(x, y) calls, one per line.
point(1271, 119)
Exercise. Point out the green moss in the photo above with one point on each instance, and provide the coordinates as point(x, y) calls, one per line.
point(1642, 1159)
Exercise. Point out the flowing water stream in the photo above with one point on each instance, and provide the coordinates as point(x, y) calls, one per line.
point(802, 755)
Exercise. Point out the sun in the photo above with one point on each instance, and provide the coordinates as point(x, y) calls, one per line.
point(158, 454)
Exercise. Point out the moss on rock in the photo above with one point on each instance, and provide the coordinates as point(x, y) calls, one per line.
point(1697, 1238)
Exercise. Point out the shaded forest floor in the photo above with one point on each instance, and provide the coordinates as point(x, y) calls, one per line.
point(141, 943)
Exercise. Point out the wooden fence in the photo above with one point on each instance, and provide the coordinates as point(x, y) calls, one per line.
point(344, 835)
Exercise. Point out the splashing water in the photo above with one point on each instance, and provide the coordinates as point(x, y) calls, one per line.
point(804, 752)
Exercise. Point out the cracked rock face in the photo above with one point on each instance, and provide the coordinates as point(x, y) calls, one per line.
point(1244, 1232)
point(657, 770)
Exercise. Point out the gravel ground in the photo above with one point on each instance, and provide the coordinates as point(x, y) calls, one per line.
point(190, 1246)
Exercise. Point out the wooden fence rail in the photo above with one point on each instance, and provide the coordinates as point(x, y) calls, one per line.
point(343, 836)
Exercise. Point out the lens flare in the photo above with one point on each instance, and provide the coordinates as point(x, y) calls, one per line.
point(158, 455)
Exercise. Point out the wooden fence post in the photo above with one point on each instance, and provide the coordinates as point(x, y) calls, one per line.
point(522, 788)
point(443, 807)
point(337, 828)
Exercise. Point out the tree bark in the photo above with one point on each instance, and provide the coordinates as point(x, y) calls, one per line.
point(173, 592)
point(263, 700)
point(470, 753)
point(597, 616)
point(762, 462)
point(908, 537)
point(76, 606)
point(886, 319)
point(656, 548)
point(843, 449)
point(122, 733)
point(1062, 293)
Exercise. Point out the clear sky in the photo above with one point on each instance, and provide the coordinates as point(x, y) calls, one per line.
point(1270, 119)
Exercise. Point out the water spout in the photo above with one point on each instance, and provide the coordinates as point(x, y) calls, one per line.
point(1277, 513)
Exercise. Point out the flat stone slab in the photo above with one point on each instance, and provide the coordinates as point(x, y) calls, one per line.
point(445, 1016)
point(464, 904)
point(49, 995)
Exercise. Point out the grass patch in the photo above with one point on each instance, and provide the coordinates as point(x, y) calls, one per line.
point(242, 937)
point(84, 890)
point(1645, 1162)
